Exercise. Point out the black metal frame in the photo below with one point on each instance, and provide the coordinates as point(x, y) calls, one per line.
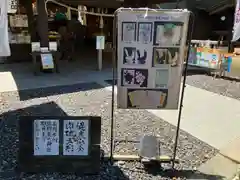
point(114, 70)
point(190, 27)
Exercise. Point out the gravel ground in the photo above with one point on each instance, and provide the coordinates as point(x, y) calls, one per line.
point(221, 86)
point(91, 99)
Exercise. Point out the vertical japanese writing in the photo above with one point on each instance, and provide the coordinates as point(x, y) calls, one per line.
point(75, 137)
point(46, 137)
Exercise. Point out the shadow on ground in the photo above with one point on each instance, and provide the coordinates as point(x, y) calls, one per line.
point(56, 90)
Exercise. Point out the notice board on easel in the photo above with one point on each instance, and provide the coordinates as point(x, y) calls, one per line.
point(150, 54)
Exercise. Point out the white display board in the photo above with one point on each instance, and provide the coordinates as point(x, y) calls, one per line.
point(46, 137)
point(12, 6)
point(100, 42)
point(18, 20)
point(150, 55)
point(75, 138)
point(47, 61)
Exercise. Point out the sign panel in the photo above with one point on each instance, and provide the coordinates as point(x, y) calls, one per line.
point(12, 6)
point(46, 137)
point(209, 58)
point(75, 140)
point(100, 42)
point(150, 57)
point(47, 61)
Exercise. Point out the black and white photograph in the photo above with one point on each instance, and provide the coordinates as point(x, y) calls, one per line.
point(165, 56)
point(144, 32)
point(147, 98)
point(132, 55)
point(76, 137)
point(167, 34)
point(128, 32)
point(161, 78)
point(46, 137)
point(135, 77)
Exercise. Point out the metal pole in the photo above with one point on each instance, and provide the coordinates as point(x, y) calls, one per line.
point(183, 89)
point(113, 84)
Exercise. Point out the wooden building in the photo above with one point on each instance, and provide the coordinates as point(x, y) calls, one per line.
point(208, 23)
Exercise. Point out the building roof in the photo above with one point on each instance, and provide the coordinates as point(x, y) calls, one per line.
point(107, 3)
point(210, 6)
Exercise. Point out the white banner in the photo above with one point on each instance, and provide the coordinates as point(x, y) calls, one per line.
point(4, 42)
point(236, 26)
point(151, 46)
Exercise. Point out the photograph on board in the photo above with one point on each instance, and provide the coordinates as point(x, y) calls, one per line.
point(161, 78)
point(165, 56)
point(147, 98)
point(129, 32)
point(134, 77)
point(144, 34)
point(132, 55)
point(167, 34)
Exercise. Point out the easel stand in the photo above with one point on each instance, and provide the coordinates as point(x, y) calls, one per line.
point(133, 157)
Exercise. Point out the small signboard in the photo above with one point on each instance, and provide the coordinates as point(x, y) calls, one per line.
point(47, 61)
point(150, 56)
point(100, 42)
point(18, 20)
point(12, 6)
point(53, 46)
point(149, 147)
point(36, 46)
point(59, 144)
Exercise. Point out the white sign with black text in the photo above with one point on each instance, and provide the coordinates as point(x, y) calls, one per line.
point(75, 139)
point(46, 137)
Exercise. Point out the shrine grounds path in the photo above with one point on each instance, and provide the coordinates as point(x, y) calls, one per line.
point(87, 93)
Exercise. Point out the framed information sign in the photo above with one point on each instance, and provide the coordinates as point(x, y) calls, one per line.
point(59, 144)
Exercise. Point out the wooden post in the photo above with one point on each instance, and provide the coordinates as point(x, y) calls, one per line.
point(100, 51)
point(42, 23)
point(31, 28)
point(69, 14)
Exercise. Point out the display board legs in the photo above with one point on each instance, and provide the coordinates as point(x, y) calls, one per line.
point(191, 26)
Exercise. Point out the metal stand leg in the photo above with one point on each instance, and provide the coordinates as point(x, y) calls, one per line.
point(114, 67)
point(182, 95)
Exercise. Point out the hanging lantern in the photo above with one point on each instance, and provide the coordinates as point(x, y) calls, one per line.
point(98, 10)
